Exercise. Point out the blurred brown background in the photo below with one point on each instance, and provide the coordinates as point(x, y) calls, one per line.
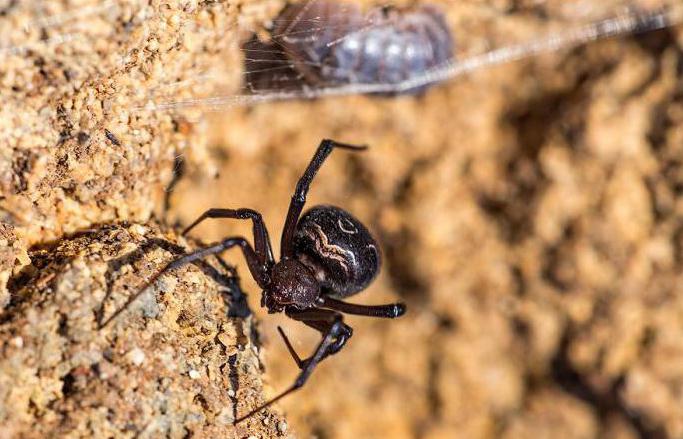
point(530, 217)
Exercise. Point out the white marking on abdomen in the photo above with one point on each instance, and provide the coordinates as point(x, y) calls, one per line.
point(353, 230)
point(335, 252)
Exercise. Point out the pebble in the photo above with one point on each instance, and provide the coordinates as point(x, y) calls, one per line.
point(136, 356)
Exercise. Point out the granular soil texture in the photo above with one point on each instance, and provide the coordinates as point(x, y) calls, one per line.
point(181, 360)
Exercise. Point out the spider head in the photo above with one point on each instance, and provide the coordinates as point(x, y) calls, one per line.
point(291, 283)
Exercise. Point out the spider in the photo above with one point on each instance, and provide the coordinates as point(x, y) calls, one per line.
point(326, 255)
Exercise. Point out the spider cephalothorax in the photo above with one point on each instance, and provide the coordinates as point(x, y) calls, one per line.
point(326, 254)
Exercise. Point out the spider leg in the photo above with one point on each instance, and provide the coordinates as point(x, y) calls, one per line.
point(335, 335)
point(256, 269)
point(290, 348)
point(302, 186)
point(261, 239)
point(231, 270)
point(389, 311)
point(322, 320)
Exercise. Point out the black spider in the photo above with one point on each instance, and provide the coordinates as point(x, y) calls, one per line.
point(326, 254)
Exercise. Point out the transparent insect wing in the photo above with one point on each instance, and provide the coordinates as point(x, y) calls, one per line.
point(320, 48)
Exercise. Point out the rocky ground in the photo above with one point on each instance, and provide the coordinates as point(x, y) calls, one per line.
point(530, 217)
point(172, 364)
point(76, 158)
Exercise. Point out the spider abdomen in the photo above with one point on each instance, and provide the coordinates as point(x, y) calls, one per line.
point(338, 248)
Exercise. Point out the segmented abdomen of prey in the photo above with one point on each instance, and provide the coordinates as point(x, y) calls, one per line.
point(386, 46)
point(308, 31)
point(339, 250)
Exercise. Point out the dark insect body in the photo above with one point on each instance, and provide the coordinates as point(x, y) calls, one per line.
point(338, 249)
point(332, 43)
point(326, 255)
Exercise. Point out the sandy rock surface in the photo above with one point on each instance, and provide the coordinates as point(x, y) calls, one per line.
point(173, 365)
point(74, 149)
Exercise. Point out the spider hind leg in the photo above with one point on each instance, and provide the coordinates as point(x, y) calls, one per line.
point(335, 335)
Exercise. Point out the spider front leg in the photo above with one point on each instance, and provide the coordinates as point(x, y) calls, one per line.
point(302, 186)
point(255, 267)
point(388, 311)
point(335, 335)
point(262, 244)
